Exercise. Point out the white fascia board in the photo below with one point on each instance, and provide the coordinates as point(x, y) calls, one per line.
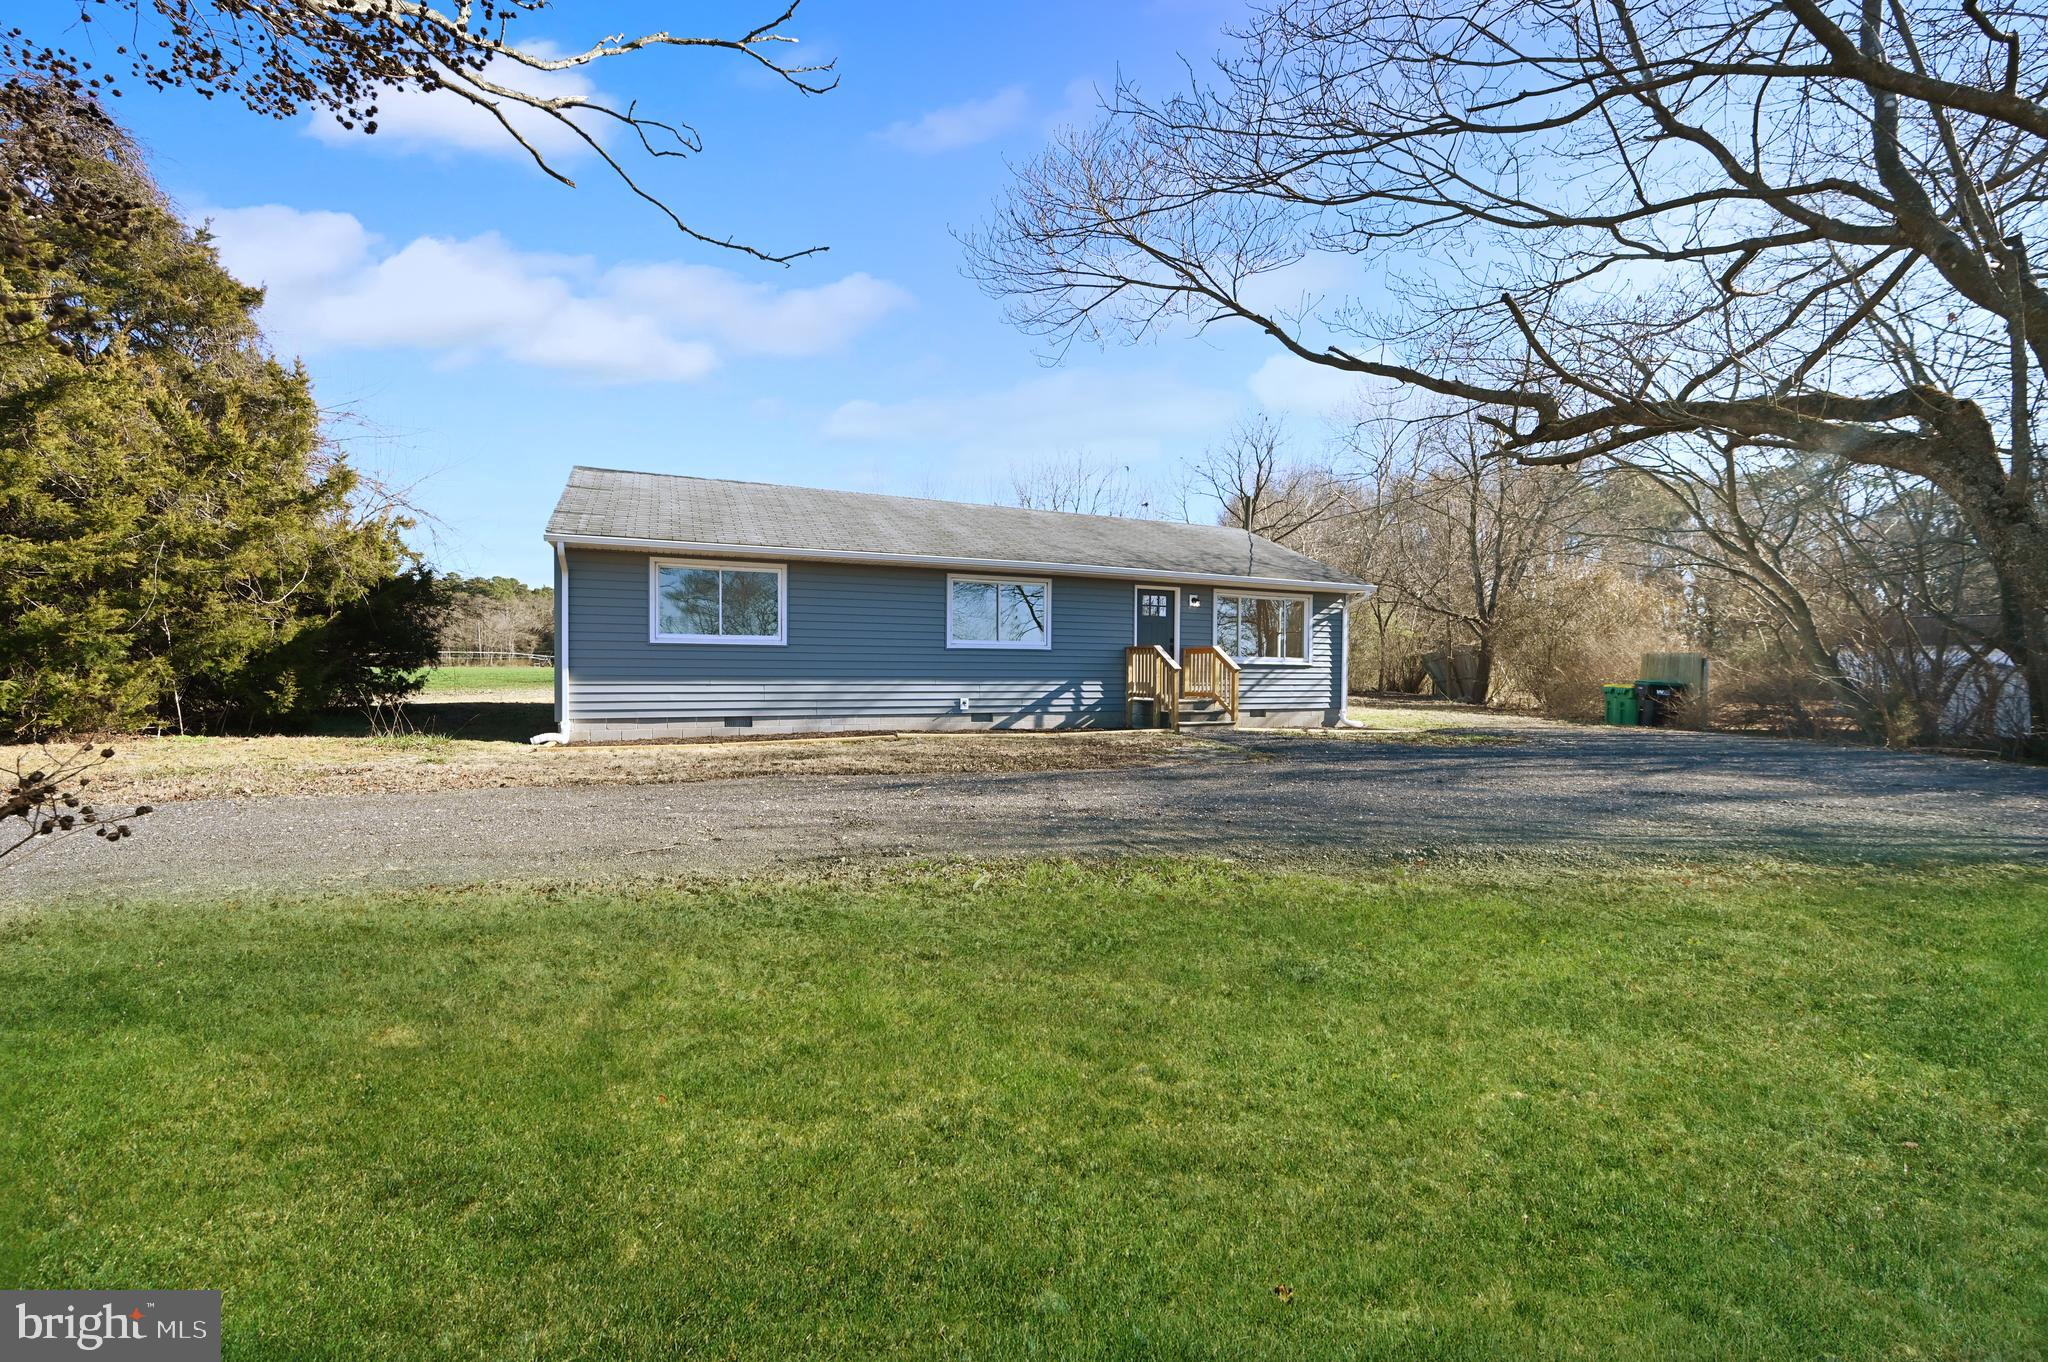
point(596, 541)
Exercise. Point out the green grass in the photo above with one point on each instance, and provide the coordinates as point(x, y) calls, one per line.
point(1054, 1111)
point(454, 680)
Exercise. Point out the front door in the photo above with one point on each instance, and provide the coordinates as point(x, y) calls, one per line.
point(1159, 619)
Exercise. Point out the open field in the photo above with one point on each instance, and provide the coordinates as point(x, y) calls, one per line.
point(1055, 1111)
point(522, 682)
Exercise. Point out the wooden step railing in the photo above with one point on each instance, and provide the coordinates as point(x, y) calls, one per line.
point(1210, 674)
point(1150, 673)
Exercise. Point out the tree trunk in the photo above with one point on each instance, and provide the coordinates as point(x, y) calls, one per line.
point(1849, 692)
point(1482, 673)
point(2001, 514)
point(2018, 549)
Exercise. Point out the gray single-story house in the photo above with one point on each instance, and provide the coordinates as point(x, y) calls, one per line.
point(693, 607)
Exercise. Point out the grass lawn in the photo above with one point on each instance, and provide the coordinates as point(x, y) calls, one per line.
point(470, 680)
point(1432, 725)
point(1054, 1111)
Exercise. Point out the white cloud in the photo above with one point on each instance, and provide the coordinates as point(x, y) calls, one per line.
point(332, 285)
point(1308, 281)
point(1114, 414)
point(287, 248)
point(434, 120)
point(1080, 107)
point(961, 125)
point(1295, 386)
point(1284, 383)
point(758, 318)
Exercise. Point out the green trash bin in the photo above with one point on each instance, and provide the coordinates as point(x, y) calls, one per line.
point(1621, 705)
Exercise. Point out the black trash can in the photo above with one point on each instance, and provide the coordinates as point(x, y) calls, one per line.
point(1658, 702)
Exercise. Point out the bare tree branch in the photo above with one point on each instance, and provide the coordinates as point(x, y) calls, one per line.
point(280, 58)
point(1603, 229)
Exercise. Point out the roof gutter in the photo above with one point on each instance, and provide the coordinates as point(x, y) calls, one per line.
point(598, 541)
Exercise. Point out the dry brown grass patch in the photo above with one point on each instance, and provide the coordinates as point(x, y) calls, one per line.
point(164, 769)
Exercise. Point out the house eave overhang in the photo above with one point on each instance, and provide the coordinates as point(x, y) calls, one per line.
point(598, 541)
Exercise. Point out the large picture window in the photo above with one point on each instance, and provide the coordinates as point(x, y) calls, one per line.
point(1263, 628)
point(998, 612)
point(712, 602)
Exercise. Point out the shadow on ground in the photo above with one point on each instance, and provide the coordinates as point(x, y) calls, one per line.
point(477, 720)
point(1570, 793)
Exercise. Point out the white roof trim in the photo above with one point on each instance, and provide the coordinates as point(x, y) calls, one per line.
point(1129, 574)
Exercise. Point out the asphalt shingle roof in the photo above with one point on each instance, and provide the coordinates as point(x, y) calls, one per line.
point(607, 503)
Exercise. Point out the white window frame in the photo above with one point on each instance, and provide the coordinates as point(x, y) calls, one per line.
point(779, 639)
point(998, 579)
point(1139, 589)
point(1308, 627)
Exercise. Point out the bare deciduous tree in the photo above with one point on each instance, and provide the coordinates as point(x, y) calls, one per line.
point(1792, 227)
point(484, 615)
point(1073, 482)
point(1262, 489)
point(1464, 534)
point(1362, 540)
point(280, 58)
point(1866, 582)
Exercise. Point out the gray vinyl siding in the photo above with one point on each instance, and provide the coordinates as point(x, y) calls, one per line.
point(1270, 685)
point(870, 642)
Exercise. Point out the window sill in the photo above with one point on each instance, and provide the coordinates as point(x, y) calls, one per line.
point(953, 643)
point(718, 640)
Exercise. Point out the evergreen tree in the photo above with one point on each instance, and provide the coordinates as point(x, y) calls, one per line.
point(175, 539)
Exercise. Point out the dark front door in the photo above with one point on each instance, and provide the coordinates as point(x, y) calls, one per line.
point(1157, 609)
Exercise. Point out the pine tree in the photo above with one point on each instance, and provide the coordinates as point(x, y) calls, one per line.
point(176, 541)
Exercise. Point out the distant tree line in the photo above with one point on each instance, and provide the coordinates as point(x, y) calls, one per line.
point(179, 547)
point(496, 615)
point(1833, 597)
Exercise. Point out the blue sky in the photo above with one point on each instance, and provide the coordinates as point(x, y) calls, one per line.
point(476, 329)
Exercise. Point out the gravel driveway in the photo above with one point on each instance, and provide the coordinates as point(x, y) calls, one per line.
point(1545, 789)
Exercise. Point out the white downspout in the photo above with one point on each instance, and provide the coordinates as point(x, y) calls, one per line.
point(1344, 661)
point(562, 726)
point(1344, 719)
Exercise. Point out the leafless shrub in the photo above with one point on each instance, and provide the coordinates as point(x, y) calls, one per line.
point(1575, 629)
point(388, 717)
